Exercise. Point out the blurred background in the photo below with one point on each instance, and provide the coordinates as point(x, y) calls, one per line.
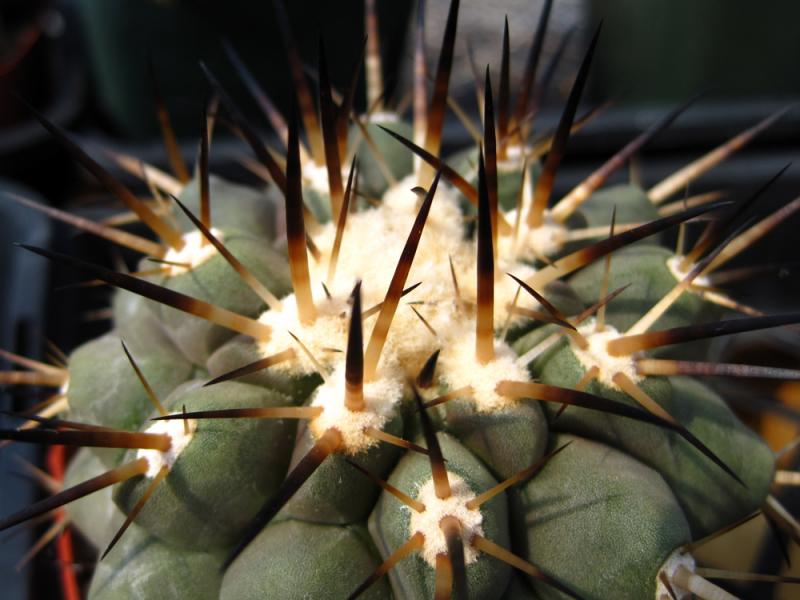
point(84, 64)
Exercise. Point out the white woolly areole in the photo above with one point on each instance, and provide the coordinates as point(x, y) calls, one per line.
point(372, 243)
point(328, 331)
point(179, 439)
point(427, 522)
point(196, 250)
point(505, 289)
point(374, 239)
point(381, 396)
point(459, 367)
point(512, 162)
point(445, 216)
point(315, 176)
point(675, 560)
point(597, 355)
point(674, 266)
point(514, 155)
point(371, 246)
point(532, 243)
point(383, 116)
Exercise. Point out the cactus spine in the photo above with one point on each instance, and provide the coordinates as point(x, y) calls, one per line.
point(469, 411)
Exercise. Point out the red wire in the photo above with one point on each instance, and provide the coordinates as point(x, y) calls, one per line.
point(56, 459)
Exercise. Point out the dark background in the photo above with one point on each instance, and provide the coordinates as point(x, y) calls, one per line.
point(83, 63)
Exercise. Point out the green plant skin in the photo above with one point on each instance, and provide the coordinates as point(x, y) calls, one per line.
point(413, 578)
point(296, 560)
point(113, 396)
point(200, 373)
point(223, 477)
point(96, 516)
point(563, 297)
point(337, 493)
point(709, 496)
point(136, 322)
point(632, 206)
point(624, 485)
point(198, 338)
point(508, 184)
point(560, 295)
point(528, 341)
point(371, 181)
point(520, 589)
point(233, 206)
point(318, 202)
point(600, 522)
point(644, 267)
point(507, 440)
point(140, 566)
point(397, 157)
point(241, 350)
point(508, 179)
point(601, 517)
point(559, 366)
point(631, 202)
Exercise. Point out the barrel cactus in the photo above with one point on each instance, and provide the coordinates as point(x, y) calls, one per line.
point(420, 379)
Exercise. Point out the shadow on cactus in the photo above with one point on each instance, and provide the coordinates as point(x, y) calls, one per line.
point(446, 390)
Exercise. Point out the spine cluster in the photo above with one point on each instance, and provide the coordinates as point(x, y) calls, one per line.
point(425, 377)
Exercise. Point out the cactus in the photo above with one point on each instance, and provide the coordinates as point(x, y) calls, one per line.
point(390, 402)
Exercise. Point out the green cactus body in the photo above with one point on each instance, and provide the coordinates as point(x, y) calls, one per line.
point(141, 566)
point(315, 191)
point(645, 269)
point(519, 589)
point(622, 484)
point(245, 210)
point(330, 563)
point(96, 516)
point(630, 202)
point(249, 459)
point(136, 321)
point(196, 338)
point(272, 486)
point(113, 396)
point(399, 162)
point(390, 524)
point(507, 436)
point(593, 500)
point(509, 174)
point(507, 440)
point(337, 493)
point(485, 437)
point(709, 497)
point(242, 350)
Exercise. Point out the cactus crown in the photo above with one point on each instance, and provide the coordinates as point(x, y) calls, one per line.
point(435, 380)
